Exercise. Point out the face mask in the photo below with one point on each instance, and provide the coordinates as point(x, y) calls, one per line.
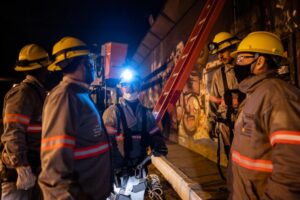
point(244, 71)
point(131, 96)
point(90, 74)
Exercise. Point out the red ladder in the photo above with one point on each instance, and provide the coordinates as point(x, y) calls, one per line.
point(191, 51)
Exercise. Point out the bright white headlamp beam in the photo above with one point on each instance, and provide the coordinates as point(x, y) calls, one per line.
point(127, 75)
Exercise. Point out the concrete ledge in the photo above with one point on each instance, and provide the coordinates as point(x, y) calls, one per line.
point(186, 188)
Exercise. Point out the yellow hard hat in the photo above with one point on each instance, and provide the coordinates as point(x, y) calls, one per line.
point(67, 48)
point(260, 42)
point(222, 41)
point(32, 56)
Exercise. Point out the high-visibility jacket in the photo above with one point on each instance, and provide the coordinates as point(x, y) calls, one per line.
point(266, 147)
point(75, 151)
point(112, 120)
point(22, 117)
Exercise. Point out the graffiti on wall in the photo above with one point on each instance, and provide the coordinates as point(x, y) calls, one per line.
point(189, 117)
point(281, 17)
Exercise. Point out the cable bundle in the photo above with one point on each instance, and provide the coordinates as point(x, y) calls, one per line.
point(154, 188)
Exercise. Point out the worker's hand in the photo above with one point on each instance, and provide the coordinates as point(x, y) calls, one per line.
point(160, 151)
point(26, 179)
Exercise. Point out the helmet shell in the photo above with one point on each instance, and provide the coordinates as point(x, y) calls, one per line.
point(67, 48)
point(261, 42)
point(223, 40)
point(31, 57)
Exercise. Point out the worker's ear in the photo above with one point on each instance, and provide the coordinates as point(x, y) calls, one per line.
point(260, 65)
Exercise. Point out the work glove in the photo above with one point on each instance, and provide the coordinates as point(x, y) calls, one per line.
point(160, 150)
point(26, 179)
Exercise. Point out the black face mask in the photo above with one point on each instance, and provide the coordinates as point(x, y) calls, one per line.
point(243, 71)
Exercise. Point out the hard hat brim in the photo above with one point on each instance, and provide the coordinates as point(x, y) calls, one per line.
point(55, 67)
point(225, 47)
point(23, 69)
point(259, 51)
point(29, 68)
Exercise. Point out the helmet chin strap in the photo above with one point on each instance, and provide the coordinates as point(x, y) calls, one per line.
point(131, 96)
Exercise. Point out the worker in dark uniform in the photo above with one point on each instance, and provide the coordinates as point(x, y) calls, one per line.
point(22, 114)
point(266, 145)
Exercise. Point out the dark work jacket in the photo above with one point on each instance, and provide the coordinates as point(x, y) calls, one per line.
point(266, 147)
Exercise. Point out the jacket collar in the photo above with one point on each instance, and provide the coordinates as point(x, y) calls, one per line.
point(251, 83)
point(228, 67)
point(123, 102)
point(80, 83)
point(30, 78)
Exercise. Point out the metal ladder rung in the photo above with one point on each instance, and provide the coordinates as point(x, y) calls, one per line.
point(202, 21)
point(181, 71)
point(184, 56)
point(193, 38)
point(175, 74)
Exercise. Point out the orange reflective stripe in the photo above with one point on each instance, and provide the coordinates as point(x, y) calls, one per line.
point(23, 119)
point(120, 137)
point(91, 151)
point(252, 164)
point(285, 137)
point(34, 128)
point(55, 142)
point(154, 130)
point(111, 130)
point(215, 99)
point(136, 137)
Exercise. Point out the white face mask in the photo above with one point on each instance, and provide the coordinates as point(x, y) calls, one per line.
point(131, 96)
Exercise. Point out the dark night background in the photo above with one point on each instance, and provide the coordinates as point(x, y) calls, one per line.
point(46, 22)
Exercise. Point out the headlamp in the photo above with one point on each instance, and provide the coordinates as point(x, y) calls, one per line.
point(212, 46)
point(127, 75)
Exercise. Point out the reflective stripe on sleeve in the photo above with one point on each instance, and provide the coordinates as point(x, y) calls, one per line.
point(120, 137)
point(285, 137)
point(134, 137)
point(252, 164)
point(91, 151)
point(34, 128)
point(56, 142)
point(23, 119)
point(111, 130)
point(154, 130)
